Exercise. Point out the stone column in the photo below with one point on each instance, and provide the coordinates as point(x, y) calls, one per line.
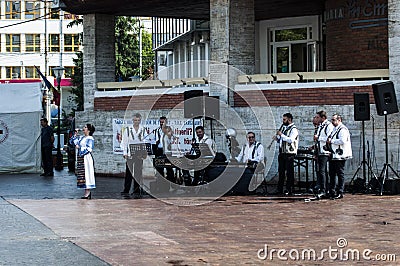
point(98, 54)
point(394, 44)
point(232, 44)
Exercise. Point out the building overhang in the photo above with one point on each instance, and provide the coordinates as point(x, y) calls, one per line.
point(191, 9)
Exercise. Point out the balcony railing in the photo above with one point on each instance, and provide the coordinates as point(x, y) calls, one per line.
point(295, 77)
point(320, 76)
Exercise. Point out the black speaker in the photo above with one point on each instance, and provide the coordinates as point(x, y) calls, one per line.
point(385, 98)
point(193, 104)
point(361, 106)
point(211, 104)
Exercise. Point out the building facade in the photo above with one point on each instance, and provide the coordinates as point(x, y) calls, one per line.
point(263, 59)
point(34, 34)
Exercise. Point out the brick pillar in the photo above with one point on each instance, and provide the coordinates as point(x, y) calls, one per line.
point(98, 54)
point(232, 44)
point(394, 44)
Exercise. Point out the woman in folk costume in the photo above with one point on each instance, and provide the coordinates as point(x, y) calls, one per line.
point(85, 163)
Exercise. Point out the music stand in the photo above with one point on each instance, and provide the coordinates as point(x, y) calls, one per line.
point(140, 150)
point(385, 170)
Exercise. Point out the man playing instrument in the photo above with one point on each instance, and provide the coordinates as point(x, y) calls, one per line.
point(323, 130)
point(339, 144)
point(288, 139)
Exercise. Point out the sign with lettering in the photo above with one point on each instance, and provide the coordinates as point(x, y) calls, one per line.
point(183, 130)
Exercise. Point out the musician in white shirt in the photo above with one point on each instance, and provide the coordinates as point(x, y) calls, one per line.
point(288, 139)
point(324, 129)
point(134, 134)
point(339, 144)
point(252, 153)
point(199, 175)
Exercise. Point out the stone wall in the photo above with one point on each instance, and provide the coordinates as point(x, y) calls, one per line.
point(264, 121)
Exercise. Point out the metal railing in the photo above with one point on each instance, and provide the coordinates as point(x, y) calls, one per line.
point(324, 76)
point(295, 77)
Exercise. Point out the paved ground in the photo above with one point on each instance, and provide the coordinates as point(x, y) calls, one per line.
point(43, 222)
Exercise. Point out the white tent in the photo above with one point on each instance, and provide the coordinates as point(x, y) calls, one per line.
point(20, 113)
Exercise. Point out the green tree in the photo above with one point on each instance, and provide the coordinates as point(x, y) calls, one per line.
point(126, 55)
point(77, 81)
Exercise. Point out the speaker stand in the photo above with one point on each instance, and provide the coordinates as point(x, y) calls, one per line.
point(386, 167)
point(363, 164)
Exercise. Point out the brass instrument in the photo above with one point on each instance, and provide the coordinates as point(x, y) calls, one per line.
point(274, 137)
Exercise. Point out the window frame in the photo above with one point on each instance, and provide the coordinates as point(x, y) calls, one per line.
point(10, 43)
point(55, 48)
point(75, 43)
point(34, 12)
point(9, 12)
point(33, 71)
point(10, 71)
point(35, 45)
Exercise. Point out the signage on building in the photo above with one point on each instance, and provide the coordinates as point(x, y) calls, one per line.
point(182, 130)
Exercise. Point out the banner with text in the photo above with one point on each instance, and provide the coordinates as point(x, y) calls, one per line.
point(183, 130)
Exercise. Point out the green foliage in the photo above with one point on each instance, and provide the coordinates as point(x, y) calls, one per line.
point(126, 55)
point(77, 81)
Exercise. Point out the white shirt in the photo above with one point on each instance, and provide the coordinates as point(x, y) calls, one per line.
point(131, 136)
point(159, 137)
point(323, 132)
point(340, 138)
point(246, 153)
point(292, 137)
point(208, 141)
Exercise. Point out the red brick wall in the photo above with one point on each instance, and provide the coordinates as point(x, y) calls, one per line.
point(141, 102)
point(356, 34)
point(282, 97)
point(302, 97)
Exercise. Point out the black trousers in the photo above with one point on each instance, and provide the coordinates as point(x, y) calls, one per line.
point(336, 168)
point(160, 170)
point(47, 159)
point(242, 186)
point(134, 167)
point(286, 171)
point(322, 176)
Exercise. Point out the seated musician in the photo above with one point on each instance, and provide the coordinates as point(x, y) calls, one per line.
point(167, 140)
point(252, 153)
point(201, 137)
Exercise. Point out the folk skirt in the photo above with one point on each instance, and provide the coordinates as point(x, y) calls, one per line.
point(85, 172)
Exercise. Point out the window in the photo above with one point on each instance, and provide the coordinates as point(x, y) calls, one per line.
point(71, 42)
point(13, 43)
point(32, 43)
point(71, 16)
point(30, 72)
point(292, 49)
point(32, 10)
point(13, 10)
point(69, 71)
point(13, 72)
point(54, 42)
point(55, 14)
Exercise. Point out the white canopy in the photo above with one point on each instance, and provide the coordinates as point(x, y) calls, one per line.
point(20, 113)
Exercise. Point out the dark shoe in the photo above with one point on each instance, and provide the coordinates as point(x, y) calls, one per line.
point(323, 196)
point(276, 192)
point(288, 193)
point(44, 174)
point(88, 196)
point(339, 196)
point(137, 195)
point(49, 174)
point(124, 192)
